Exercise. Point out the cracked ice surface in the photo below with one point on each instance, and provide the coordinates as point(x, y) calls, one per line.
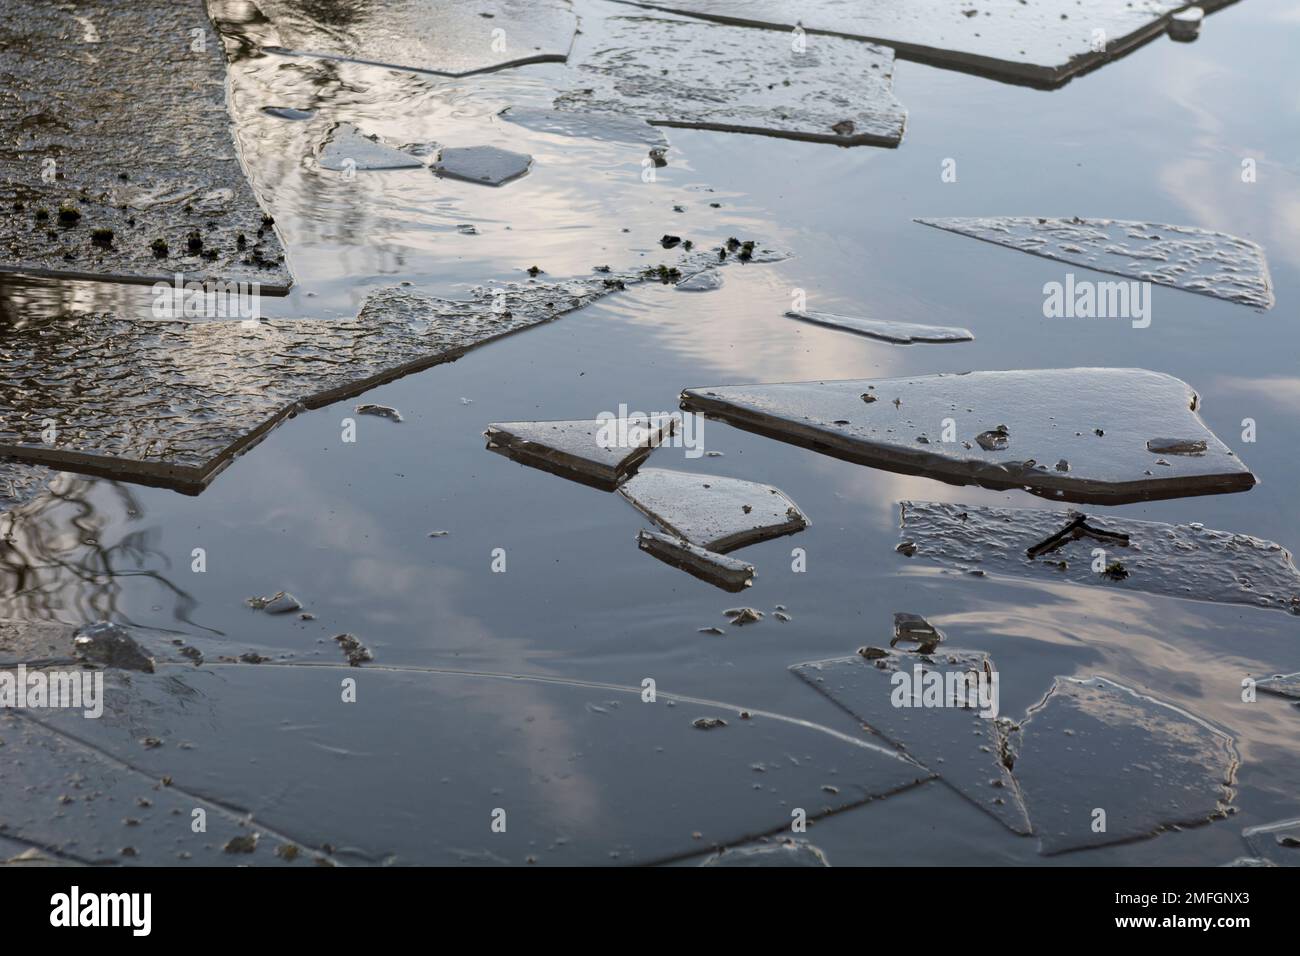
point(964, 748)
point(899, 333)
point(1052, 416)
point(1042, 42)
point(707, 76)
point(449, 37)
point(142, 143)
point(1094, 744)
point(1185, 560)
point(570, 758)
point(1183, 257)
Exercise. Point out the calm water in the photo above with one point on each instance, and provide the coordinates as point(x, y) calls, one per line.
point(1157, 136)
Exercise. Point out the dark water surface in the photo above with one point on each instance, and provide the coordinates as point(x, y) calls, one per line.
point(1157, 136)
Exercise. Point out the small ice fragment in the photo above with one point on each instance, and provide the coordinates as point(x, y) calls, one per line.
point(380, 411)
point(347, 149)
point(899, 333)
point(740, 616)
point(482, 164)
point(727, 573)
point(602, 450)
point(1185, 25)
point(113, 646)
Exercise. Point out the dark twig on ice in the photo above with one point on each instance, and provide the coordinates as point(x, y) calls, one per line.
point(1078, 528)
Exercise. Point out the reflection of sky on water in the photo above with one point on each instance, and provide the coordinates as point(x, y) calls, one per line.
point(1157, 136)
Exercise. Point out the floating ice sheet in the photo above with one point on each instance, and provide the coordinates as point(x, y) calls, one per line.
point(117, 163)
point(1076, 434)
point(603, 127)
point(1187, 561)
point(448, 37)
point(953, 740)
point(730, 574)
point(899, 333)
point(601, 450)
point(719, 514)
point(1040, 42)
point(173, 402)
point(346, 148)
point(1183, 257)
point(432, 754)
point(482, 164)
point(707, 76)
point(1094, 745)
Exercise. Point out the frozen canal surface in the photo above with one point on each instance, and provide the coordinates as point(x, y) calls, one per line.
point(1157, 136)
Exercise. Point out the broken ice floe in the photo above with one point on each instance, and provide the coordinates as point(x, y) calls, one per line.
point(1099, 763)
point(939, 721)
point(1185, 561)
point(1042, 43)
point(899, 333)
point(447, 37)
point(122, 166)
point(787, 852)
point(482, 164)
point(603, 127)
point(562, 778)
point(730, 574)
point(718, 514)
point(1278, 843)
point(346, 149)
point(1183, 257)
point(709, 76)
point(932, 425)
point(601, 451)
